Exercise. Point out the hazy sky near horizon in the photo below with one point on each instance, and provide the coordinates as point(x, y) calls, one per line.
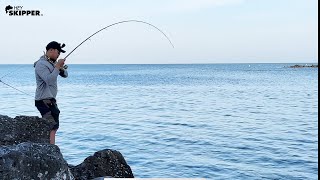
point(203, 31)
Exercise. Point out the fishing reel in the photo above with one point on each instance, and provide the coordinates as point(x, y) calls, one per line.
point(65, 67)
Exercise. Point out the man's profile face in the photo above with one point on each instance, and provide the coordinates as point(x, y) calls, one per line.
point(54, 54)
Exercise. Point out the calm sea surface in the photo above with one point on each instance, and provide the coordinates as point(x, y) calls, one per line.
point(215, 121)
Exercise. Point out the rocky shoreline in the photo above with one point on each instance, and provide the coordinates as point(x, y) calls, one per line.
point(25, 153)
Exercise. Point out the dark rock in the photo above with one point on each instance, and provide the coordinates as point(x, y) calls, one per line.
point(33, 161)
point(24, 129)
point(103, 163)
point(25, 153)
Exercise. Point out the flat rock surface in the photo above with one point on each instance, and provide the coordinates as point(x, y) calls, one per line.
point(24, 129)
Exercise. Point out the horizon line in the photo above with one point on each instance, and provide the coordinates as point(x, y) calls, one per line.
point(173, 63)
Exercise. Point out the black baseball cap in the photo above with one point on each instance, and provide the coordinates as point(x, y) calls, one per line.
point(56, 45)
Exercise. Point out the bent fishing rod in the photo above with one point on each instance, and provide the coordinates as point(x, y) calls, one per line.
point(114, 24)
point(121, 22)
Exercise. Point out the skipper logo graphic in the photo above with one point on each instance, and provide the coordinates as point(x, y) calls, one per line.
point(18, 11)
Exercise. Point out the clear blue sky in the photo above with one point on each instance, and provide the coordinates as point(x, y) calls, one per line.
point(203, 31)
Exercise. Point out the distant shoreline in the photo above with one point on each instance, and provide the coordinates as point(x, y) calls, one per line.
point(304, 66)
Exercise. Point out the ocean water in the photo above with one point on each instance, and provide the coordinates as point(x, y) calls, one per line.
point(214, 121)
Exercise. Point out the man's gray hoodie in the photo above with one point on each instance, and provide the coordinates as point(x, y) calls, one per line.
point(46, 77)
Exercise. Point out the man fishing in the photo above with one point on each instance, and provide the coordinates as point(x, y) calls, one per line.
point(47, 69)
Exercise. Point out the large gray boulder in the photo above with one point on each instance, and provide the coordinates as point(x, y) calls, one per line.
point(25, 153)
point(33, 161)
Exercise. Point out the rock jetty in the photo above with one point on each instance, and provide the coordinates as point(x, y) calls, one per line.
point(25, 153)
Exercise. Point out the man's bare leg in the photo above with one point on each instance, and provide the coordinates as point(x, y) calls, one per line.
point(53, 136)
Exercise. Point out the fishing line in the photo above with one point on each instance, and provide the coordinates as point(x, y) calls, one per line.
point(11, 72)
point(14, 88)
point(10, 85)
point(121, 22)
